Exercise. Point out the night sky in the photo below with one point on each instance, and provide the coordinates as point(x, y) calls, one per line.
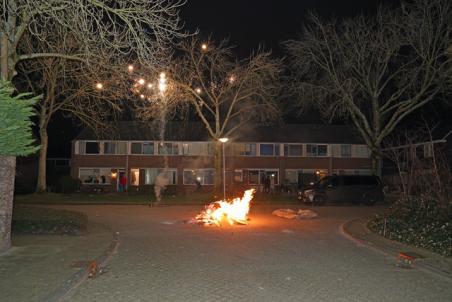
point(248, 24)
point(253, 23)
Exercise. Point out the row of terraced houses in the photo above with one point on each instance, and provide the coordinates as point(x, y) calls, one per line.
point(293, 155)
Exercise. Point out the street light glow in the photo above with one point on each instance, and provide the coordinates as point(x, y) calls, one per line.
point(141, 81)
point(204, 46)
point(162, 83)
point(99, 86)
point(150, 85)
point(130, 67)
point(198, 90)
point(142, 96)
point(223, 139)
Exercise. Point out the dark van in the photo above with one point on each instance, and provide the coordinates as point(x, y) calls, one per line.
point(344, 188)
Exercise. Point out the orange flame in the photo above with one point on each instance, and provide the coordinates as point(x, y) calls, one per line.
point(235, 211)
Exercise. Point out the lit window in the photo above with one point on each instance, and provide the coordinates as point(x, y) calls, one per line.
point(95, 175)
point(203, 176)
point(169, 174)
point(134, 177)
point(238, 175)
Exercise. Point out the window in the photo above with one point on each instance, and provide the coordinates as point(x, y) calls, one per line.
point(135, 148)
point(168, 149)
point(151, 174)
point(269, 149)
point(121, 148)
point(238, 175)
point(245, 149)
point(95, 175)
point(260, 176)
point(134, 177)
point(293, 150)
point(361, 151)
point(92, 148)
point(291, 176)
point(115, 148)
point(148, 148)
point(346, 150)
point(204, 176)
point(81, 147)
point(198, 148)
point(253, 177)
point(142, 148)
point(109, 148)
point(316, 150)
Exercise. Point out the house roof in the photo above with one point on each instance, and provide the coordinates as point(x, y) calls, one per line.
point(190, 131)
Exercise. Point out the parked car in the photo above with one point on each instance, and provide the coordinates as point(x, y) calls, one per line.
point(344, 188)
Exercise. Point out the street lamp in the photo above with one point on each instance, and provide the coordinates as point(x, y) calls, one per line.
point(223, 141)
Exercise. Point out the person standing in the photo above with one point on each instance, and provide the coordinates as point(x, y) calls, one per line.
point(122, 183)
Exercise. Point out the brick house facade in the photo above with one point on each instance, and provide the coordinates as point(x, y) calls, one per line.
point(292, 155)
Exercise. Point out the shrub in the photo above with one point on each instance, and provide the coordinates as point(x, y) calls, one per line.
point(419, 221)
point(37, 220)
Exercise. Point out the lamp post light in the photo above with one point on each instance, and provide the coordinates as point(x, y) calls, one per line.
point(223, 141)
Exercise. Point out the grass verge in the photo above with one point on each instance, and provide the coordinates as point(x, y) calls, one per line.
point(417, 221)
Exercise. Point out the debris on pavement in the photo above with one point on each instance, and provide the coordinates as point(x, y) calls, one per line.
point(291, 214)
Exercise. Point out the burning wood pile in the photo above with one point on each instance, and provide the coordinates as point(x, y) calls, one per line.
point(234, 211)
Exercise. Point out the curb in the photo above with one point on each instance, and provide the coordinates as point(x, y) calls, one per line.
point(391, 251)
point(70, 285)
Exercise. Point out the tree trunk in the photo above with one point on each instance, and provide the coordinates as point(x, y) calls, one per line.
point(42, 165)
point(218, 184)
point(7, 165)
point(376, 163)
point(7, 173)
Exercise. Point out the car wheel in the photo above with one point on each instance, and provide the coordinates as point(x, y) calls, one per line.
point(369, 199)
point(318, 200)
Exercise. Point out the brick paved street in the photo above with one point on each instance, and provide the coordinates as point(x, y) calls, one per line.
point(161, 258)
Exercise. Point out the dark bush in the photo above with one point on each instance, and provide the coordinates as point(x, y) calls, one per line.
point(37, 220)
point(419, 221)
point(67, 184)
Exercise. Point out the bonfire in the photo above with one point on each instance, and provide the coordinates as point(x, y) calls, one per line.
point(234, 211)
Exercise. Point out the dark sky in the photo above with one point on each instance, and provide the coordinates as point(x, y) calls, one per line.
point(250, 23)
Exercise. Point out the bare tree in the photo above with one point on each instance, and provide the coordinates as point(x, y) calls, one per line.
point(123, 28)
point(375, 70)
point(421, 166)
point(90, 93)
point(225, 93)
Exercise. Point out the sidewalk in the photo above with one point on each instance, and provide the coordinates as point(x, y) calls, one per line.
point(45, 268)
point(424, 259)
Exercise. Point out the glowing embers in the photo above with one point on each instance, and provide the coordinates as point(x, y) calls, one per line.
point(233, 212)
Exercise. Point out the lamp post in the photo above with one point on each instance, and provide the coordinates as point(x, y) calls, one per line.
point(223, 141)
